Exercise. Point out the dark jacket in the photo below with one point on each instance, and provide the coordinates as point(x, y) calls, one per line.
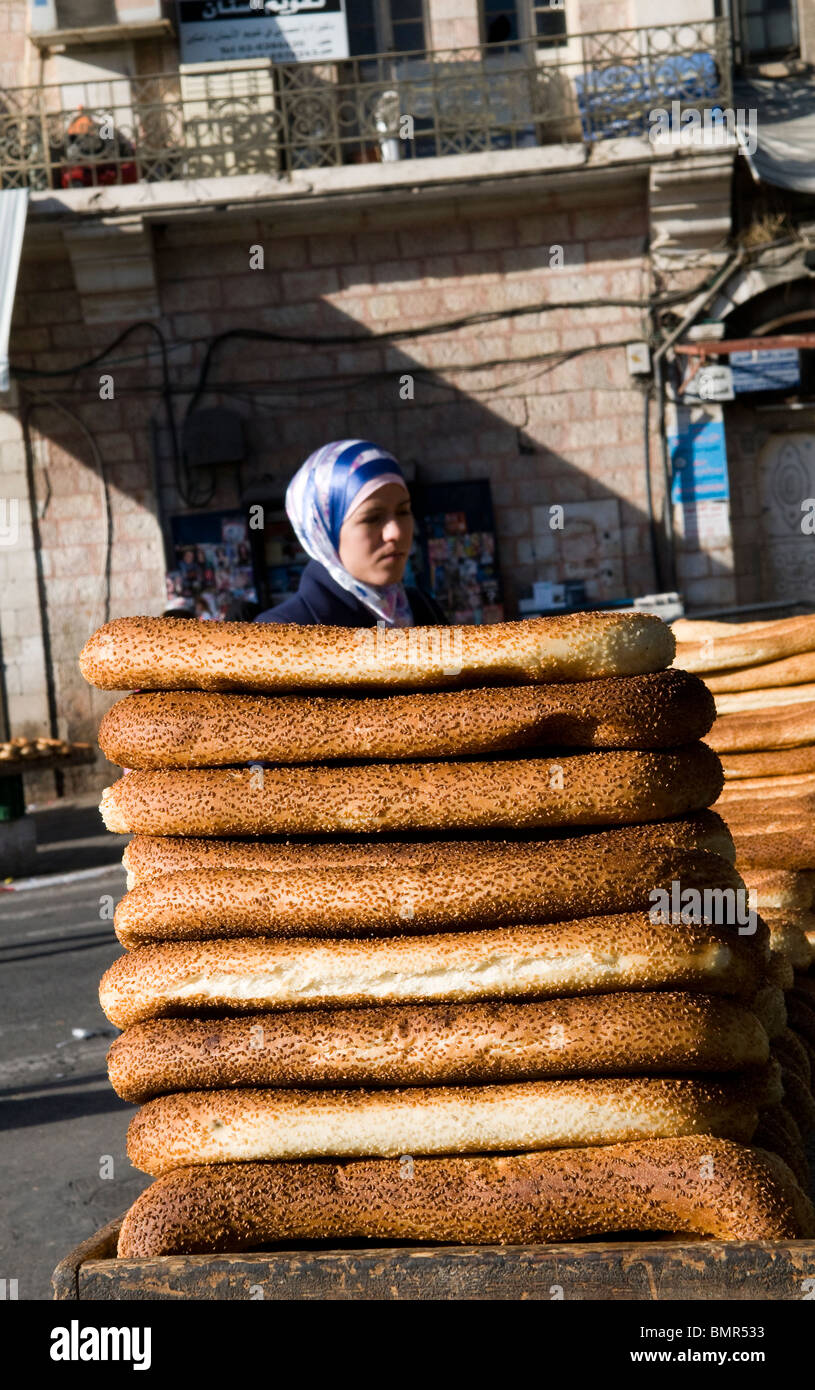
point(319, 599)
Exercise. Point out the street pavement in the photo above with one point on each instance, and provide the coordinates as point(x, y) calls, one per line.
point(65, 1172)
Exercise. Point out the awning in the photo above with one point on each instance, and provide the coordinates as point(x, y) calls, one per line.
point(784, 152)
point(13, 208)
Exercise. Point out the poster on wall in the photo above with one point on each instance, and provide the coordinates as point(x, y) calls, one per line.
point(212, 563)
point(286, 31)
point(458, 529)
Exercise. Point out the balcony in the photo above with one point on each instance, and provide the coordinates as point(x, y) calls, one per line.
point(277, 119)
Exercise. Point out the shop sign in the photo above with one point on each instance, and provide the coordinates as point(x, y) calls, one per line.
point(285, 31)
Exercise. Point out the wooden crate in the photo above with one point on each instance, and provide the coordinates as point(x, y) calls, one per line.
point(647, 1270)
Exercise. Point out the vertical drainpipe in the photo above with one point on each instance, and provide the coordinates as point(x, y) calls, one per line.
point(42, 596)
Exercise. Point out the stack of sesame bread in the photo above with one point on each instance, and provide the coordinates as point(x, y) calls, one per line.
point(425, 939)
point(762, 677)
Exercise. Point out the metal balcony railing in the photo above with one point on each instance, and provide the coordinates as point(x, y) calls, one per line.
point(280, 118)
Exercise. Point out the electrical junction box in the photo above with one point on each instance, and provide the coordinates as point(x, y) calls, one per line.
point(638, 358)
point(212, 437)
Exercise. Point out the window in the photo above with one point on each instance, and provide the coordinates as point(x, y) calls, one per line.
point(767, 29)
point(549, 23)
point(385, 26)
point(85, 14)
point(507, 21)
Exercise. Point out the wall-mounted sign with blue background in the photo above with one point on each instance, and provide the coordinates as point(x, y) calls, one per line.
point(766, 369)
point(699, 485)
point(699, 462)
point(286, 31)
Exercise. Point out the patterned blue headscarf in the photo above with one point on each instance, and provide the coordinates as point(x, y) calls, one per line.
point(332, 482)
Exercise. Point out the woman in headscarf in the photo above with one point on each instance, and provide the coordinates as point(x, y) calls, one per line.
point(350, 508)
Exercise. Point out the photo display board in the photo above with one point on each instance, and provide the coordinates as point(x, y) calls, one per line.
point(212, 562)
point(457, 528)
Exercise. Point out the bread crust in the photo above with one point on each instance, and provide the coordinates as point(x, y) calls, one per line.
point(371, 798)
point(780, 889)
point(173, 654)
point(788, 935)
point(206, 729)
point(771, 698)
point(773, 762)
point(151, 856)
point(778, 1132)
point(442, 1044)
point(791, 670)
point(499, 887)
point(194, 1127)
point(590, 956)
point(787, 726)
point(783, 845)
point(753, 645)
point(696, 1185)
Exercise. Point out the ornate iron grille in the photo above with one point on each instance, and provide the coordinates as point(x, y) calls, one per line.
point(289, 117)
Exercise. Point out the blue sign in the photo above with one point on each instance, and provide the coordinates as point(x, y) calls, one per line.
point(765, 369)
point(699, 463)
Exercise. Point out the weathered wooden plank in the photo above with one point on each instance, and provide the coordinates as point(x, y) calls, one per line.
point(607, 1271)
point(100, 1246)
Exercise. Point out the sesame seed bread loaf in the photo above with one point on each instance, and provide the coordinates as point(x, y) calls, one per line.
point(747, 645)
point(433, 1044)
point(698, 1185)
point(771, 698)
point(748, 815)
point(779, 889)
point(173, 654)
point(773, 762)
point(594, 955)
point(769, 1004)
point(788, 1049)
point(787, 726)
point(788, 935)
point(778, 1132)
point(151, 856)
point(798, 1100)
point(787, 843)
point(193, 728)
point(245, 1126)
point(582, 789)
point(791, 670)
point(692, 630)
point(759, 789)
point(503, 886)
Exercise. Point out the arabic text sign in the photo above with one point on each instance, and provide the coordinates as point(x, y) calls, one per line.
point(767, 369)
point(699, 459)
point(286, 31)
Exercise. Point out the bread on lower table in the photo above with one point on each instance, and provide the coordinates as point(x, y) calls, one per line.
point(743, 645)
point(697, 1185)
point(790, 670)
point(785, 726)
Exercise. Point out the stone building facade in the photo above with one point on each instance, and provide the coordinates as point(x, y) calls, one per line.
point(535, 267)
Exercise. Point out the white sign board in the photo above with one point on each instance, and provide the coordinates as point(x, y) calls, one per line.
point(285, 31)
